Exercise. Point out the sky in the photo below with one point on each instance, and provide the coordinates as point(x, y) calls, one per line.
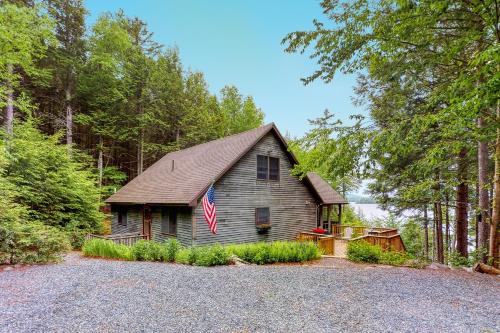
point(239, 43)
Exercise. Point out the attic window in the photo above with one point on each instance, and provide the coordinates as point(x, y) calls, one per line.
point(268, 168)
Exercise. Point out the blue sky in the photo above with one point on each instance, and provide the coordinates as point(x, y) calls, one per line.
point(238, 43)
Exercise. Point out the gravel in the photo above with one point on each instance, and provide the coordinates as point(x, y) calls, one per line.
point(91, 295)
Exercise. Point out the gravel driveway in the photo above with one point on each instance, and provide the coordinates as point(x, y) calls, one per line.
point(91, 295)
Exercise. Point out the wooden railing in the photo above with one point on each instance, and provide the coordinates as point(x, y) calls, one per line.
point(386, 238)
point(393, 242)
point(125, 239)
point(324, 242)
point(358, 231)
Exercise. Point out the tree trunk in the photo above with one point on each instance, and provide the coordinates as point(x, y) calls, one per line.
point(9, 116)
point(493, 246)
point(438, 218)
point(462, 201)
point(484, 201)
point(69, 118)
point(447, 229)
point(426, 233)
point(140, 154)
point(100, 166)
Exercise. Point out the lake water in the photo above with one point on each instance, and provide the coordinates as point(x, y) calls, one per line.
point(369, 211)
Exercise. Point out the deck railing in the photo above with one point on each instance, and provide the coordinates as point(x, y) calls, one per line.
point(339, 230)
point(386, 238)
point(125, 239)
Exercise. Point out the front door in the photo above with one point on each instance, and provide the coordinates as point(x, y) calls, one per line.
point(146, 222)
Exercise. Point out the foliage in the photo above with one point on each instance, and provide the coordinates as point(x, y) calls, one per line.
point(26, 34)
point(455, 259)
point(31, 243)
point(172, 247)
point(279, 251)
point(350, 217)
point(213, 255)
point(428, 73)
point(183, 256)
point(394, 258)
point(107, 249)
point(56, 188)
point(76, 236)
point(144, 250)
point(362, 251)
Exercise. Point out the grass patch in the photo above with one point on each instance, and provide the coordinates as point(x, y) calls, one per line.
point(279, 251)
point(212, 255)
point(107, 249)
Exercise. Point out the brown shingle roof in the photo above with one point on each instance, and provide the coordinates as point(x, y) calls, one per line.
point(183, 176)
point(327, 194)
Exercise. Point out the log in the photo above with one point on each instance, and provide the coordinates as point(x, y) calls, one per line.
point(483, 268)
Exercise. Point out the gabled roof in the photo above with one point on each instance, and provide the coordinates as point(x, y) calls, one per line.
point(182, 177)
point(327, 194)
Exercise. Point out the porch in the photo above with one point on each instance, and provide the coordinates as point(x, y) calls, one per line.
point(335, 244)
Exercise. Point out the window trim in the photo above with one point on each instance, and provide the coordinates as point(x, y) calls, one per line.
point(268, 168)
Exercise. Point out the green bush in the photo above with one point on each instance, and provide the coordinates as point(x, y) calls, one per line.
point(172, 246)
point(107, 249)
point(145, 250)
point(183, 255)
point(394, 258)
point(279, 251)
point(76, 237)
point(362, 251)
point(31, 243)
point(214, 255)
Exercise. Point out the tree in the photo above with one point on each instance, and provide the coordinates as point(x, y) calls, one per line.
point(25, 35)
point(429, 78)
point(68, 56)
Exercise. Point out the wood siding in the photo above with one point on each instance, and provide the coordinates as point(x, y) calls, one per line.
point(238, 193)
point(134, 223)
point(134, 220)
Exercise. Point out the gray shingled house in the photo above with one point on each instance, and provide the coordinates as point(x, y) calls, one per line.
point(257, 199)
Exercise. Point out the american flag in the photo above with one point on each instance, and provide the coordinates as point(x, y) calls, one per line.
point(209, 209)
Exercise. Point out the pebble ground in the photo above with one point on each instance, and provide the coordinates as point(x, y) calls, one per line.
point(93, 295)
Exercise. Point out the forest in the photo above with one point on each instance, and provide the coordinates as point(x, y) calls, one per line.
point(87, 108)
point(428, 75)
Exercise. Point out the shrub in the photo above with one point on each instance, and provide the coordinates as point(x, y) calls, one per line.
point(394, 258)
point(279, 251)
point(107, 249)
point(31, 243)
point(182, 256)
point(362, 251)
point(144, 250)
point(172, 246)
point(214, 255)
point(76, 237)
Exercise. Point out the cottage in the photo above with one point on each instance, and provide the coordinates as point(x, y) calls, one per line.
point(257, 198)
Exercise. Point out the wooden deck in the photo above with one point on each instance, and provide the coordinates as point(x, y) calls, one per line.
point(336, 243)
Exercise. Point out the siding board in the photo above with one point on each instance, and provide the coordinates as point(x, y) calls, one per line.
point(238, 193)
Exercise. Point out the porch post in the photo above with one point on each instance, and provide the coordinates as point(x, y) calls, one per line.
point(319, 220)
point(340, 213)
point(329, 211)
